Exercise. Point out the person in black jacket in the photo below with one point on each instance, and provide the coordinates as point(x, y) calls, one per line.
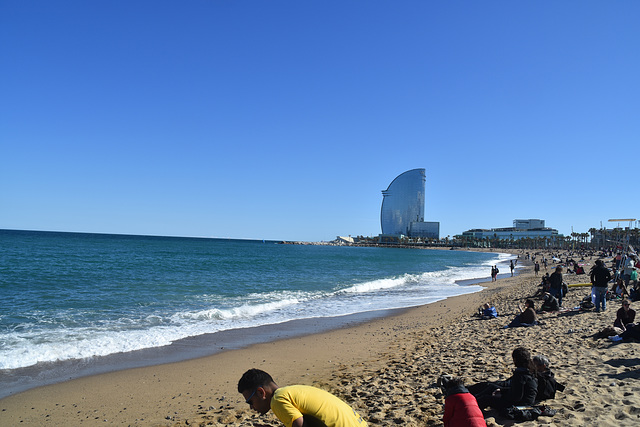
point(625, 315)
point(547, 384)
point(600, 277)
point(519, 390)
point(555, 284)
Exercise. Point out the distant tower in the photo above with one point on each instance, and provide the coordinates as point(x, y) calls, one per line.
point(402, 210)
point(403, 203)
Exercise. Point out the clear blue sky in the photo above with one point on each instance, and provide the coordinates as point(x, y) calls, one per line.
point(286, 119)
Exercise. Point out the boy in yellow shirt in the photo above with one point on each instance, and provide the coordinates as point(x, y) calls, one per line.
point(296, 405)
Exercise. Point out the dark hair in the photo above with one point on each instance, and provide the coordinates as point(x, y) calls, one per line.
point(522, 358)
point(530, 303)
point(456, 382)
point(253, 379)
point(445, 382)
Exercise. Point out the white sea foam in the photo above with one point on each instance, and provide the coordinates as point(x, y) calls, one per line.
point(375, 285)
point(245, 311)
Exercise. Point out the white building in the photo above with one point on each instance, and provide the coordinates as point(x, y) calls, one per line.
point(522, 228)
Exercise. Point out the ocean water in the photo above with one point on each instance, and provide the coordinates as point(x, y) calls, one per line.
point(72, 296)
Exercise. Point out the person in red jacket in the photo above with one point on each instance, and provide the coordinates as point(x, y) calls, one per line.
point(460, 407)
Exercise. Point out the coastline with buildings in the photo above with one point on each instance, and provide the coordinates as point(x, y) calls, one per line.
point(384, 367)
point(402, 225)
point(500, 238)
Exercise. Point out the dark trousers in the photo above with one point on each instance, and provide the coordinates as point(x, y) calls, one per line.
point(483, 392)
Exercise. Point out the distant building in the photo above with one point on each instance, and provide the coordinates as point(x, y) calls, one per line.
point(522, 228)
point(402, 212)
point(343, 240)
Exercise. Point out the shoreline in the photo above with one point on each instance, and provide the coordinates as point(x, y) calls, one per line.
point(23, 379)
point(19, 380)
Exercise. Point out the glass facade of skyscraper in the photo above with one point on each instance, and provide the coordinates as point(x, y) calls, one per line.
point(403, 203)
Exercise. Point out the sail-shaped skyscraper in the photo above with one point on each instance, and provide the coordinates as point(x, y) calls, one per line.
point(402, 212)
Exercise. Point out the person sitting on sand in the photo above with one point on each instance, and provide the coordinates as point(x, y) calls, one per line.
point(619, 289)
point(625, 316)
point(296, 405)
point(460, 407)
point(631, 333)
point(519, 390)
point(544, 286)
point(545, 282)
point(547, 384)
point(488, 312)
point(527, 317)
point(550, 303)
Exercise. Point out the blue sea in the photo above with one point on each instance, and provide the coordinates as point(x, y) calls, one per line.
point(71, 298)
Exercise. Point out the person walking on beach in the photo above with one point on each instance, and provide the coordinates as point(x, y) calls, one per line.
point(600, 277)
point(512, 267)
point(296, 405)
point(536, 268)
point(555, 284)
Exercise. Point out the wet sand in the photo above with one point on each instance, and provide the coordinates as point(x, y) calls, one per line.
point(385, 368)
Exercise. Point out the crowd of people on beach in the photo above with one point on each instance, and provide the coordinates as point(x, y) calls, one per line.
point(532, 381)
point(520, 397)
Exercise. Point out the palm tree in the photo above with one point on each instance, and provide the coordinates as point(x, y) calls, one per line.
point(592, 231)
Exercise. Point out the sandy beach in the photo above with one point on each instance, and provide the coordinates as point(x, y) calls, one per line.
point(386, 369)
